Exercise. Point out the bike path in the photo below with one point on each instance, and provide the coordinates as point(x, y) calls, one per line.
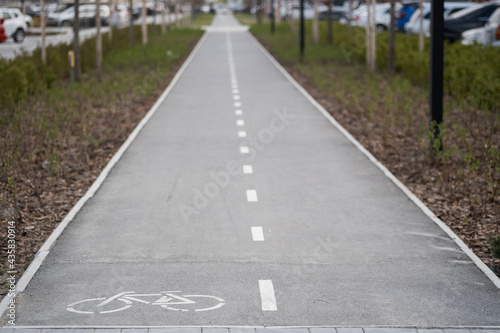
point(342, 244)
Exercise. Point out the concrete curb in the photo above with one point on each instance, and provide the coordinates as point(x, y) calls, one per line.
point(482, 266)
point(49, 243)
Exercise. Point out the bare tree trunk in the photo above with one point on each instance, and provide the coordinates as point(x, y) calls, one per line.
point(76, 41)
point(290, 16)
point(167, 9)
point(330, 25)
point(392, 38)
point(143, 25)
point(177, 14)
point(98, 46)
point(278, 12)
point(163, 21)
point(350, 18)
point(421, 30)
point(316, 23)
point(374, 38)
point(42, 24)
point(110, 26)
point(368, 34)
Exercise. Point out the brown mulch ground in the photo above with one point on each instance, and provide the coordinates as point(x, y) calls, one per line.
point(447, 189)
point(44, 197)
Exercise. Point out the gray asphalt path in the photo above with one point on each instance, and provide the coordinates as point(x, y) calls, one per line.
point(342, 245)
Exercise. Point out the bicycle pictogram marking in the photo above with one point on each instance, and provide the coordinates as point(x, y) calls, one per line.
point(168, 300)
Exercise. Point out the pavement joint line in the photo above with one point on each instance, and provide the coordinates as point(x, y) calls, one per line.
point(252, 196)
point(477, 328)
point(267, 295)
point(49, 243)
point(242, 134)
point(257, 234)
point(482, 266)
point(244, 150)
point(247, 169)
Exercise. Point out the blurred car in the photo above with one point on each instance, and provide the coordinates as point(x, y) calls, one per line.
point(293, 9)
point(87, 14)
point(3, 36)
point(14, 24)
point(404, 14)
point(450, 8)
point(487, 35)
point(120, 16)
point(382, 16)
point(470, 18)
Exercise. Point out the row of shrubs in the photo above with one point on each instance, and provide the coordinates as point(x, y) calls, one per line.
point(26, 75)
point(471, 73)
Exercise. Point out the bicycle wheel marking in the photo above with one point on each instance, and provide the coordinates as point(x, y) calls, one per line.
point(164, 299)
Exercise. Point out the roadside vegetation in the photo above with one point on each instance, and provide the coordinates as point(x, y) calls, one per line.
point(57, 136)
point(389, 114)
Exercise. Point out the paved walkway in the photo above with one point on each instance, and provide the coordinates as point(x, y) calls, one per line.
point(240, 205)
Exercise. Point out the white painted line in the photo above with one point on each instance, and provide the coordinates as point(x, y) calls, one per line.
point(482, 266)
point(257, 234)
point(49, 243)
point(267, 295)
point(236, 97)
point(242, 134)
point(238, 112)
point(252, 196)
point(240, 122)
point(236, 91)
point(247, 169)
point(244, 150)
point(237, 104)
point(234, 86)
point(234, 81)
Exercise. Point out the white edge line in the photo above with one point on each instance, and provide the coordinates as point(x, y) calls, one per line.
point(481, 265)
point(234, 326)
point(49, 243)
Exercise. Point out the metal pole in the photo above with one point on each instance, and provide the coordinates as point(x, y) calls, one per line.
point(302, 31)
point(437, 63)
point(131, 27)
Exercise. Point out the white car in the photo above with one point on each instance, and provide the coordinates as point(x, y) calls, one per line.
point(294, 10)
point(412, 27)
point(120, 16)
point(382, 16)
point(87, 14)
point(487, 35)
point(14, 23)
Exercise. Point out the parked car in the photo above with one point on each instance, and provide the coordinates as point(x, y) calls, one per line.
point(14, 24)
point(487, 35)
point(382, 16)
point(404, 14)
point(470, 18)
point(450, 8)
point(120, 16)
point(3, 36)
point(293, 9)
point(87, 14)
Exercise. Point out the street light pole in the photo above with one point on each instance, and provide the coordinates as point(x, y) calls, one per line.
point(436, 75)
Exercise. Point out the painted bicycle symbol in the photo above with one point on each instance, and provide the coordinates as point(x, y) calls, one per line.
point(165, 299)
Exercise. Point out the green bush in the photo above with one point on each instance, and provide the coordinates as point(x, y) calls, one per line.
point(471, 73)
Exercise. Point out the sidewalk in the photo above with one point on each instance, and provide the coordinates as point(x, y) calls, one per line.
point(239, 204)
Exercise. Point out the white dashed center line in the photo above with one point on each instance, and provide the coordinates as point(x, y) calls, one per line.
point(236, 91)
point(240, 122)
point(236, 97)
point(242, 134)
point(237, 104)
point(267, 295)
point(247, 169)
point(252, 196)
point(257, 234)
point(244, 150)
point(238, 112)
